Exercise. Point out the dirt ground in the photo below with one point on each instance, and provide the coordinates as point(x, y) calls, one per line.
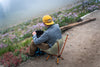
point(82, 48)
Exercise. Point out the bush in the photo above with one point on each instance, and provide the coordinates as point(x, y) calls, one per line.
point(11, 60)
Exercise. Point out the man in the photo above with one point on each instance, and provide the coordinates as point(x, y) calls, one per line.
point(50, 36)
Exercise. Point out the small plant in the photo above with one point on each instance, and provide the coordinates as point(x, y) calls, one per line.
point(27, 35)
point(59, 12)
point(9, 60)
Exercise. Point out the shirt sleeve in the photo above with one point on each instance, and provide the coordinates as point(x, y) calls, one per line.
point(41, 39)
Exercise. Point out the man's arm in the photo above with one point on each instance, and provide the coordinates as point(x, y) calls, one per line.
point(41, 39)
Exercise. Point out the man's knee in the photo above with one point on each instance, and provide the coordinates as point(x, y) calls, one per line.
point(32, 41)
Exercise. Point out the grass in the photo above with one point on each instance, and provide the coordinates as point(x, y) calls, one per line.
point(12, 47)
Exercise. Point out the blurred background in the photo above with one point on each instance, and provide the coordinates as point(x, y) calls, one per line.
point(13, 12)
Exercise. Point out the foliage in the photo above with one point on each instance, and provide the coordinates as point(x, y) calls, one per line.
point(11, 60)
point(15, 46)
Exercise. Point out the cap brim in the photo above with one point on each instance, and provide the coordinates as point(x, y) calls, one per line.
point(51, 23)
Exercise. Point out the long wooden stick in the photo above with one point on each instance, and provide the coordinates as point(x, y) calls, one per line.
point(58, 47)
point(64, 44)
point(76, 23)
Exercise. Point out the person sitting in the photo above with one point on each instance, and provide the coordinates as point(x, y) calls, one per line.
point(48, 38)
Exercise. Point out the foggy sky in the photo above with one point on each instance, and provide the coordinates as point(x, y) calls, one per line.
point(16, 11)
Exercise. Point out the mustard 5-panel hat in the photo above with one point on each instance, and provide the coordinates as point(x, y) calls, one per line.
point(47, 19)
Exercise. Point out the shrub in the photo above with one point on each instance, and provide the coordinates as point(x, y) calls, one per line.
point(11, 60)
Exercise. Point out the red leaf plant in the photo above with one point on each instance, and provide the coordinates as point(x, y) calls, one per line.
point(9, 60)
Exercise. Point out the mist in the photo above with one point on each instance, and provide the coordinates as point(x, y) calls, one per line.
point(18, 11)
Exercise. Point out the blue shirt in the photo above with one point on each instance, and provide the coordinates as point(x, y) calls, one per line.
point(51, 35)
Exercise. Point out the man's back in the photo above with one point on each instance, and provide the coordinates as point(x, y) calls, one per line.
point(54, 33)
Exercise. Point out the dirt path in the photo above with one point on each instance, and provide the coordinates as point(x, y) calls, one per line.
point(81, 50)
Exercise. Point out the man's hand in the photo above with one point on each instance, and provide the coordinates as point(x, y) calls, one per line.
point(34, 33)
